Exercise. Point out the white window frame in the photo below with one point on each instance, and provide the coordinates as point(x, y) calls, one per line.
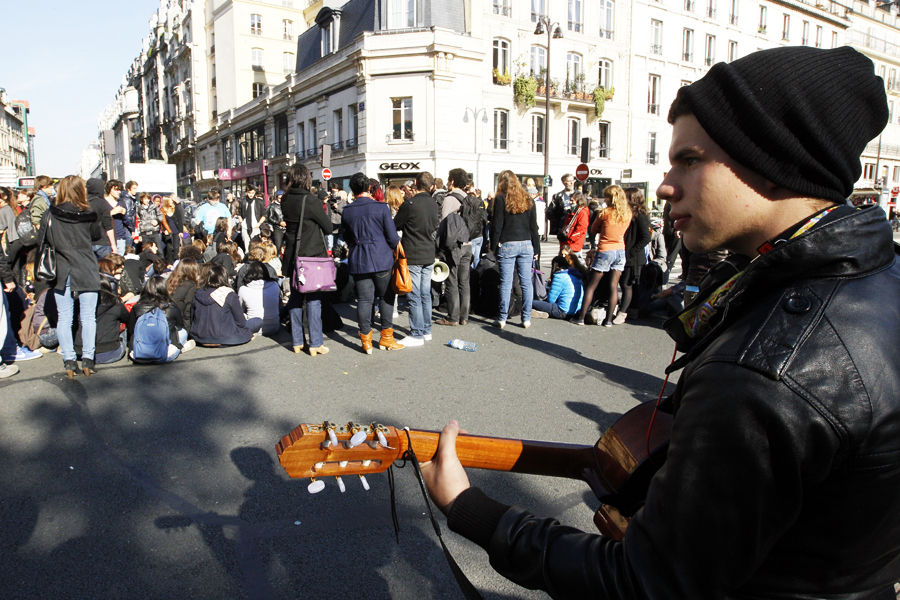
point(605, 73)
point(300, 139)
point(287, 29)
point(652, 153)
point(501, 129)
point(804, 37)
point(502, 7)
point(258, 89)
point(733, 13)
point(834, 39)
point(401, 112)
point(656, 36)
point(538, 9)
point(401, 14)
point(711, 9)
point(576, 16)
point(607, 18)
point(337, 126)
point(819, 35)
point(573, 133)
point(256, 59)
point(786, 28)
point(537, 133)
point(710, 50)
point(537, 57)
point(687, 45)
point(603, 130)
point(574, 62)
point(255, 24)
point(763, 14)
point(353, 124)
point(653, 90)
point(500, 54)
point(732, 50)
point(288, 62)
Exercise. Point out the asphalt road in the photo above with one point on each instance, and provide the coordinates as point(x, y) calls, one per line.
point(162, 481)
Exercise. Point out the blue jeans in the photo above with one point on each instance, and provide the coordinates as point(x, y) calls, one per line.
point(420, 300)
point(313, 303)
point(101, 251)
point(65, 307)
point(517, 255)
point(105, 358)
point(551, 308)
point(120, 246)
point(7, 337)
point(477, 243)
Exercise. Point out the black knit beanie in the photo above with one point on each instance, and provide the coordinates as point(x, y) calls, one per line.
point(798, 116)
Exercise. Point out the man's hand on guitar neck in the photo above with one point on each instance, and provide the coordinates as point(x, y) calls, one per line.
point(444, 475)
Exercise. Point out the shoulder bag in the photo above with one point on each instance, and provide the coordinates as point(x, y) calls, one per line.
point(401, 280)
point(312, 273)
point(45, 265)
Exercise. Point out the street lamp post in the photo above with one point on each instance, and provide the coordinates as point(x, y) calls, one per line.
point(553, 31)
point(484, 119)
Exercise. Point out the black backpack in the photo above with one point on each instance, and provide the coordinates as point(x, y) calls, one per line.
point(25, 229)
point(474, 214)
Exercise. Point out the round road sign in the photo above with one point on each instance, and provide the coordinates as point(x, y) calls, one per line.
point(326, 174)
point(581, 172)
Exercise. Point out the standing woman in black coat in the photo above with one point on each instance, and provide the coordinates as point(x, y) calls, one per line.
point(637, 236)
point(316, 225)
point(68, 227)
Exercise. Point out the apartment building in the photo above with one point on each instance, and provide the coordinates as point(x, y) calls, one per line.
point(395, 87)
point(16, 138)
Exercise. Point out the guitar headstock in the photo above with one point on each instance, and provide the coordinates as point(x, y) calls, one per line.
point(327, 449)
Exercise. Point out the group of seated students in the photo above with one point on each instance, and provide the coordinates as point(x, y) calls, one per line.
point(218, 298)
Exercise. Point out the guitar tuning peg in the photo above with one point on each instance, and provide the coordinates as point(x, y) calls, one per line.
point(366, 463)
point(315, 486)
point(343, 464)
point(365, 484)
point(341, 485)
point(319, 465)
point(357, 438)
point(381, 439)
point(332, 436)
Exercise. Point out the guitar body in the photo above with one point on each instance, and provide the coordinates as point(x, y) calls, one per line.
point(618, 468)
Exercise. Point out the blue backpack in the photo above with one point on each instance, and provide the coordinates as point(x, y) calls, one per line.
point(151, 337)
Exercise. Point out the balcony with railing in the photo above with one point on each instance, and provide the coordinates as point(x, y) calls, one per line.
point(351, 143)
point(337, 146)
point(655, 48)
point(310, 152)
point(653, 109)
point(688, 56)
point(606, 34)
point(652, 158)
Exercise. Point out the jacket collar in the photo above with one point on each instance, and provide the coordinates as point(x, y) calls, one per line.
point(853, 245)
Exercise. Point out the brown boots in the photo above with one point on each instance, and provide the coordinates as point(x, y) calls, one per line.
point(366, 342)
point(387, 342)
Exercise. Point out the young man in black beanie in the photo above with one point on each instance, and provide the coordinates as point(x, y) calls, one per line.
point(783, 468)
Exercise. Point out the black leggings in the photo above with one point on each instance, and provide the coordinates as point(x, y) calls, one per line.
point(612, 279)
point(370, 286)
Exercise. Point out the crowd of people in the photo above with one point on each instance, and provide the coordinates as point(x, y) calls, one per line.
point(150, 276)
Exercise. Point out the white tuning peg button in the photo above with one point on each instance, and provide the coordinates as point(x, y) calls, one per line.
point(356, 439)
point(319, 465)
point(315, 486)
point(332, 437)
point(365, 484)
point(381, 439)
point(366, 463)
point(343, 464)
point(341, 485)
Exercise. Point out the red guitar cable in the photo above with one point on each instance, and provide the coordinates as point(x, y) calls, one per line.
point(658, 401)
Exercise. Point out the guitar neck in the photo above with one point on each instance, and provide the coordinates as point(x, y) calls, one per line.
point(504, 454)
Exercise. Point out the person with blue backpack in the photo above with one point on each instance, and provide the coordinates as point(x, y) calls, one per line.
point(156, 331)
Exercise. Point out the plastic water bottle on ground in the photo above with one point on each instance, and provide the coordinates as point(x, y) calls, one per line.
point(463, 345)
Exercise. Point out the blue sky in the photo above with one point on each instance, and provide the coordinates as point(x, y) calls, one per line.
point(67, 59)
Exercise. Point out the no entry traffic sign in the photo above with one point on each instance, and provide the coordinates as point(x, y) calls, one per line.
point(326, 174)
point(581, 172)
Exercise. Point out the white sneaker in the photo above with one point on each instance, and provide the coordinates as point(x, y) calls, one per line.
point(8, 371)
point(427, 337)
point(188, 346)
point(411, 341)
point(620, 318)
point(526, 324)
point(499, 324)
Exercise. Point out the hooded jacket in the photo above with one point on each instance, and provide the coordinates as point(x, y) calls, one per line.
point(217, 318)
point(68, 230)
point(100, 206)
point(783, 467)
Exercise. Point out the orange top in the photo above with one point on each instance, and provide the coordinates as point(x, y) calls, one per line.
point(612, 234)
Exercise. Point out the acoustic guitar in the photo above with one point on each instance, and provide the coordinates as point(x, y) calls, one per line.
point(618, 467)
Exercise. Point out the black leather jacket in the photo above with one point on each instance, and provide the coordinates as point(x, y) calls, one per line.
point(782, 478)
